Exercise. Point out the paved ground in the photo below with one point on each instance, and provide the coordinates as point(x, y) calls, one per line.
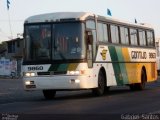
point(118, 102)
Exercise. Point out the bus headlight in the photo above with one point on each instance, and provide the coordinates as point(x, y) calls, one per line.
point(29, 74)
point(74, 72)
point(29, 82)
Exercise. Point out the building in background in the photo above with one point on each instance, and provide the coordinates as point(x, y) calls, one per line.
point(12, 50)
point(3, 49)
point(15, 48)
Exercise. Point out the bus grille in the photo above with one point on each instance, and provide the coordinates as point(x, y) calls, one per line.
point(52, 73)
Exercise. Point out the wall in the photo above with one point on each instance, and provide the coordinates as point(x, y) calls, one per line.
point(7, 67)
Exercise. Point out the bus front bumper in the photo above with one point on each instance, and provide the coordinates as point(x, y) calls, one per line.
point(59, 82)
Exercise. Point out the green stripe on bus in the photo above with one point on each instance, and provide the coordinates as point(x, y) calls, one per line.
point(62, 67)
point(115, 64)
point(58, 67)
point(54, 67)
point(122, 65)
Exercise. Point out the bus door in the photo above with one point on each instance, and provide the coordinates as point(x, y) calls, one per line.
point(89, 42)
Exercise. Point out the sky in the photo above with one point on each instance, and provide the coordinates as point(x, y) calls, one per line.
point(12, 20)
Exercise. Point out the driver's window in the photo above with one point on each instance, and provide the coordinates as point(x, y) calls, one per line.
point(91, 25)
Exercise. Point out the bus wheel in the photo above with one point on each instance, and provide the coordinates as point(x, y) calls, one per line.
point(101, 85)
point(140, 86)
point(49, 94)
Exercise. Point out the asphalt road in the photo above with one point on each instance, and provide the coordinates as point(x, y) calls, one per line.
point(119, 102)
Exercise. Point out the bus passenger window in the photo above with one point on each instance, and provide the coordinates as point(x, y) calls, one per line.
point(105, 33)
point(102, 32)
point(114, 34)
point(133, 36)
point(142, 37)
point(124, 35)
point(150, 40)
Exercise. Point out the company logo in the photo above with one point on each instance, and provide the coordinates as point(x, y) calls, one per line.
point(35, 68)
point(142, 55)
point(138, 55)
point(103, 54)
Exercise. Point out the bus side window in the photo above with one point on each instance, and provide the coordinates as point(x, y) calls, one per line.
point(142, 37)
point(102, 32)
point(150, 39)
point(105, 33)
point(133, 36)
point(124, 35)
point(114, 34)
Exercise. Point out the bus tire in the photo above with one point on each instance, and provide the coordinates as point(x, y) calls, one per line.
point(141, 85)
point(49, 94)
point(99, 91)
point(132, 87)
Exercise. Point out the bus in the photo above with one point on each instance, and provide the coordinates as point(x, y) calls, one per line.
point(82, 50)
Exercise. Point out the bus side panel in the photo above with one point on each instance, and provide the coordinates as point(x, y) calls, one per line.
point(150, 71)
point(117, 66)
point(131, 68)
point(103, 59)
point(134, 68)
point(121, 68)
point(150, 68)
point(132, 72)
point(129, 71)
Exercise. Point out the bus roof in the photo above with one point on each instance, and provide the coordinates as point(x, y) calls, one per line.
point(57, 16)
point(123, 22)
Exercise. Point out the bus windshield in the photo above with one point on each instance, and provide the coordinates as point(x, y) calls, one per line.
point(60, 41)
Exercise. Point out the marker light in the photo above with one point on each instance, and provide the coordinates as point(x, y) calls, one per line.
point(81, 72)
point(77, 81)
point(74, 72)
point(32, 74)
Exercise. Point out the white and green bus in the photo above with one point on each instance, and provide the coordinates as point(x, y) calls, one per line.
point(80, 50)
